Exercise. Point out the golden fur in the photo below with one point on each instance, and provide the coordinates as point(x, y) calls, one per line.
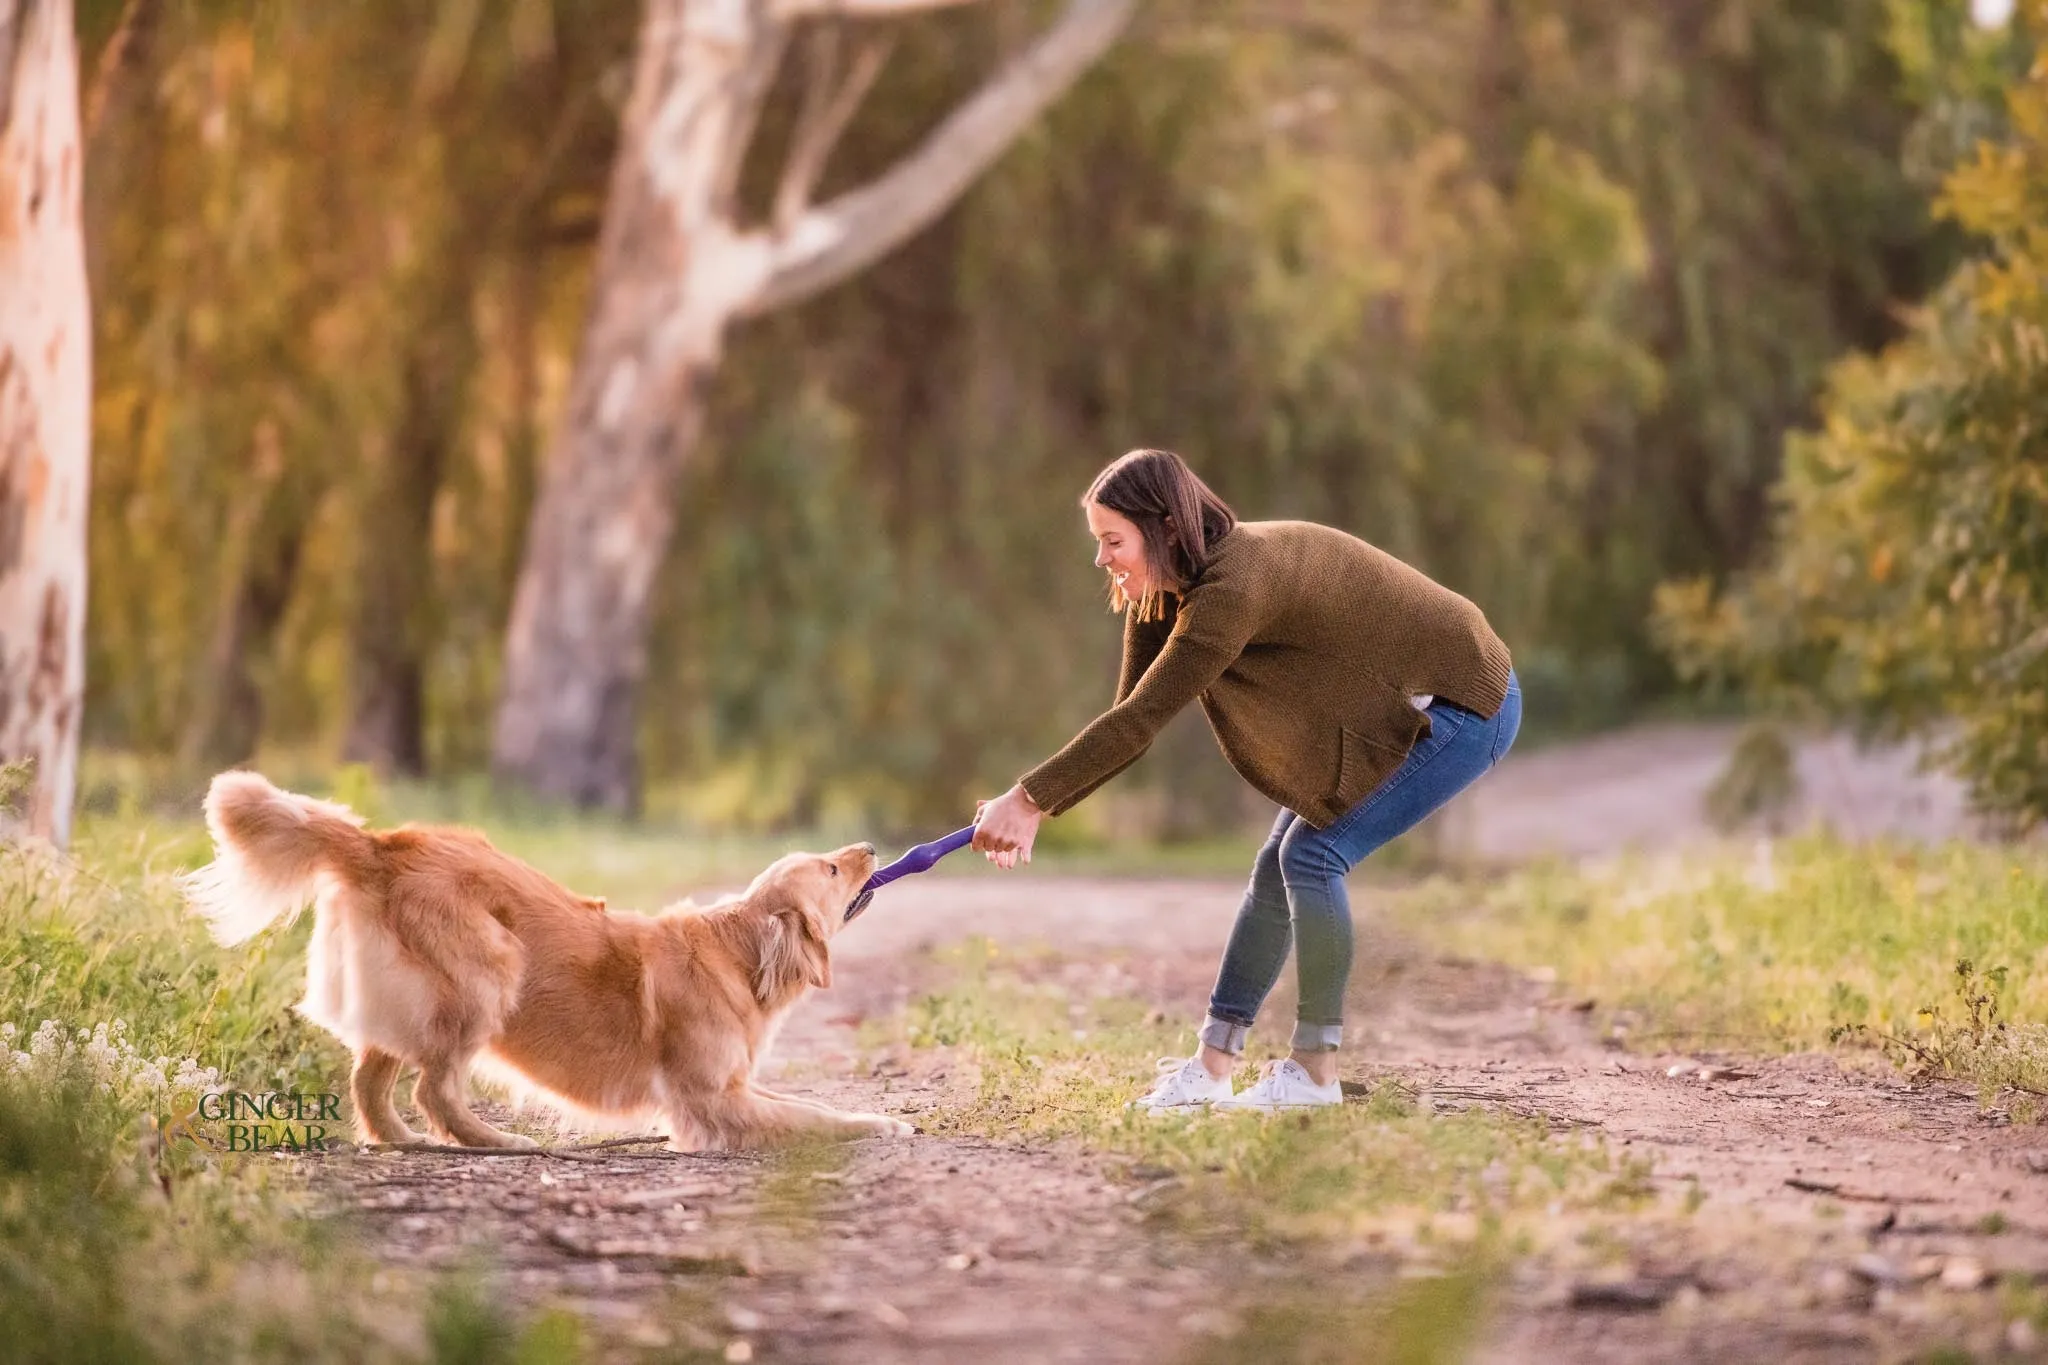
point(432, 949)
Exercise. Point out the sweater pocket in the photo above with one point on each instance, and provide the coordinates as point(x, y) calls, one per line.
point(1363, 763)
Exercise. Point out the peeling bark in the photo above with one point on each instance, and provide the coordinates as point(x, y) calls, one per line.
point(45, 396)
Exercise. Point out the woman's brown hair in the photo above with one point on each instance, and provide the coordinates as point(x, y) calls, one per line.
point(1154, 488)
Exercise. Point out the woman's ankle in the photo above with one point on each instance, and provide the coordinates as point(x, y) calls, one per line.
point(1321, 1066)
point(1216, 1061)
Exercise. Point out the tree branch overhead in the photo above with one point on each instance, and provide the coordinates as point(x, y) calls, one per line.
point(862, 9)
point(838, 239)
point(826, 113)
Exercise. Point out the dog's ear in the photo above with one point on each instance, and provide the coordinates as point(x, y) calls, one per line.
point(791, 952)
point(817, 956)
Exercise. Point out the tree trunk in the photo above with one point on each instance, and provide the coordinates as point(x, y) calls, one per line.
point(227, 719)
point(525, 436)
point(45, 411)
point(674, 269)
point(395, 570)
point(577, 651)
point(576, 648)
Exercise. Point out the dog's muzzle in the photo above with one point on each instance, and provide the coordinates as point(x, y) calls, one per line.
point(860, 903)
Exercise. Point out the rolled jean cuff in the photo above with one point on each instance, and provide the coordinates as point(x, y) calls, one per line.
point(1224, 1035)
point(1317, 1037)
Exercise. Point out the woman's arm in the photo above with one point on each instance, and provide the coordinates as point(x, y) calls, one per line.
point(1006, 827)
point(1209, 632)
point(1143, 641)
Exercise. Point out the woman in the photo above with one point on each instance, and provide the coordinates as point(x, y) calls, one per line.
point(1340, 682)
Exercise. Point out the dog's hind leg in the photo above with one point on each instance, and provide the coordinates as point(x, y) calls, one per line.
point(441, 1096)
point(377, 1120)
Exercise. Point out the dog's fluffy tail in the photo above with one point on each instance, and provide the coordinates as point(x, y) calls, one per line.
point(269, 849)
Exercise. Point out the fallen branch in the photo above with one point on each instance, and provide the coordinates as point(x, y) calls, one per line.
point(1628, 1296)
point(442, 1149)
point(1837, 1192)
point(568, 1153)
point(677, 1259)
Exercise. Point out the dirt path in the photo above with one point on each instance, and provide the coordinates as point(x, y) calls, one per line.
point(1643, 787)
point(1840, 1217)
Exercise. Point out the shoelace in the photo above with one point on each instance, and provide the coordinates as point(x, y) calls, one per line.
point(1268, 1084)
point(1170, 1066)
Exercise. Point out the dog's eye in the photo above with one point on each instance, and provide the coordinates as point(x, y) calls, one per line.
point(834, 867)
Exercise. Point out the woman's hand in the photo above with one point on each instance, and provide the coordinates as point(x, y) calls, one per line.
point(1005, 828)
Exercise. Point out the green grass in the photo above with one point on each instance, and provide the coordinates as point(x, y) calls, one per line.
point(1424, 1321)
point(108, 1255)
point(120, 1239)
point(1937, 955)
point(101, 935)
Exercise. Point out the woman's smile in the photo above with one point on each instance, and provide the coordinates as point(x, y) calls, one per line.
point(1119, 548)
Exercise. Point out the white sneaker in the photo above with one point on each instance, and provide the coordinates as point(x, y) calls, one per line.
point(1184, 1085)
point(1284, 1085)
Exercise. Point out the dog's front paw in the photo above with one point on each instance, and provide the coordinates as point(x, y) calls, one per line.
point(881, 1125)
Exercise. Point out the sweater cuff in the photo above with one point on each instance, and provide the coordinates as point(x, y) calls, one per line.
point(1039, 793)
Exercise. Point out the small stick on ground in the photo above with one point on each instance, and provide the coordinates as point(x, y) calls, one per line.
point(1837, 1192)
point(442, 1149)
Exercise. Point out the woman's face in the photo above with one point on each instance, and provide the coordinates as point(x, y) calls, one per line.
point(1120, 549)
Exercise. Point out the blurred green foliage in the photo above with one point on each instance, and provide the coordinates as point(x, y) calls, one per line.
point(1908, 581)
point(1527, 291)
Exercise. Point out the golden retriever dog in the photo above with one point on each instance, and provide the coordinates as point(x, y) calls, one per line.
point(432, 949)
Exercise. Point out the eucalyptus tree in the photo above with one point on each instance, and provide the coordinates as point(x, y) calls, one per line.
point(45, 409)
point(678, 264)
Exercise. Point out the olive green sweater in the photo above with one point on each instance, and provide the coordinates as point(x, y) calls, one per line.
point(1304, 645)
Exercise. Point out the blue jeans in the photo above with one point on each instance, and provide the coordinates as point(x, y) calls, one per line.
point(1297, 887)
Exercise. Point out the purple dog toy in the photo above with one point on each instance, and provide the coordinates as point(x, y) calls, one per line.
point(917, 860)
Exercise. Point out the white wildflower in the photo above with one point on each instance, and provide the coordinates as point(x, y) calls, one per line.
point(113, 1063)
point(192, 1076)
point(48, 1040)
